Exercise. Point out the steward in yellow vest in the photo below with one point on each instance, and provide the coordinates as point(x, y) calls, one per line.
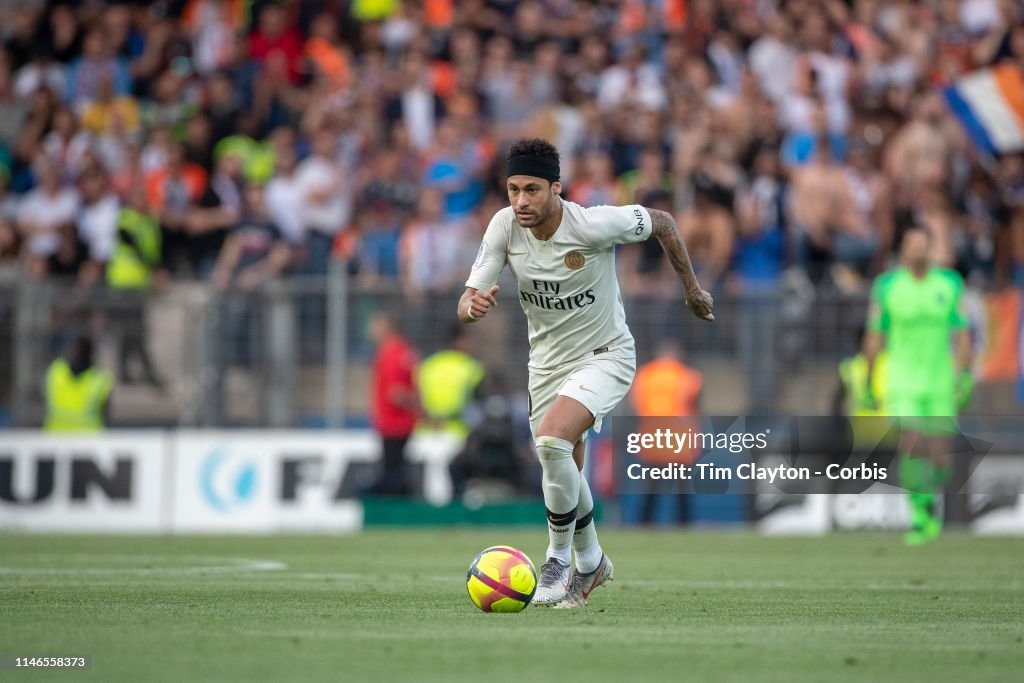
point(137, 250)
point(77, 394)
point(863, 400)
point(864, 403)
point(448, 381)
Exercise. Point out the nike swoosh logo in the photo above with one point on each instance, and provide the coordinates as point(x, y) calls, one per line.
point(593, 584)
point(583, 388)
point(517, 253)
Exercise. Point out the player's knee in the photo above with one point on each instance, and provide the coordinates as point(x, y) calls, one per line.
point(552, 448)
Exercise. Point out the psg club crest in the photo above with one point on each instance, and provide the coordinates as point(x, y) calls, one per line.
point(574, 260)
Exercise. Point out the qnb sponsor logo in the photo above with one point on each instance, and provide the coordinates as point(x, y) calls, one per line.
point(228, 481)
point(639, 216)
point(84, 477)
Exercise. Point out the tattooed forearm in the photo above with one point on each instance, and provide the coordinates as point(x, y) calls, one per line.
point(663, 227)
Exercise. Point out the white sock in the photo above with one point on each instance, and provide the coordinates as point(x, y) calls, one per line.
point(561, 484)
point(584, 538)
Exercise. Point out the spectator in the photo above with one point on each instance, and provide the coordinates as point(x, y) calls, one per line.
point(759, 261)
point(134, 267)
point(933, 212)
point(98, 62)
point(77, 393)
point(827, 226)
point(597, 185)
point(66, 145)
point(63, 40)
point(664, 386)
point(222, 106)
point(326, 54)
point(275, 35)
point(648, 176)
point(433, 252)
point(709, 230)
point(327, 196)
point(825, 71)
point(1004, 40)
point(129, 170)
point(169, 104)
point(514, 95)
point(921, 154)
point(394, 404)
point(20, 33)
point(285, 202)
point(253, 253)
point(591, 62)
point(43, 213)
point(808, 137)
point(109, 113)
point(773, 59)
point(634, 80)
point(217, 211)
point(96, 220)
point(13, 110)
point(415, 105)
point(870, 199)
point(450, 381)
point(37, 123)
point(415, 252)
point(197, 141)
point(171, 192)
point(455, 165)
point(213, 25)
point(760, 212)
point(136, 255)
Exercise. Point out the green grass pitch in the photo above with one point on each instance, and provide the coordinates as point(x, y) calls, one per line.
point(392, 605)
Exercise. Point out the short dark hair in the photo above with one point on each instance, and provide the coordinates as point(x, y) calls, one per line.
point(534, 147)
point(80, 352)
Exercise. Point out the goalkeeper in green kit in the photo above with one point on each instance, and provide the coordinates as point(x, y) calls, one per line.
point(917, 316)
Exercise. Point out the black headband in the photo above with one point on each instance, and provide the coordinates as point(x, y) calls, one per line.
point(538, 167)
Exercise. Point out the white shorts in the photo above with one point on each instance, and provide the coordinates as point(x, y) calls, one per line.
point(599, 382)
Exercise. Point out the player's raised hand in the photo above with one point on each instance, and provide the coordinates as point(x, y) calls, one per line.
point(700, 304)
point(481, 302)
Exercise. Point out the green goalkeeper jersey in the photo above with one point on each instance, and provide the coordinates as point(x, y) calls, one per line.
point(918, 317)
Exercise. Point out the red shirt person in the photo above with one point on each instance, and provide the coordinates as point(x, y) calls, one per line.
point(394, 403)
point(276, 38)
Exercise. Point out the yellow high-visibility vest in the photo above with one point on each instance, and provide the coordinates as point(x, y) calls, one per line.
point(74, 403)
point(854, 373)
point(875, 429)
point(373, 10)
point(447, 380)
point(132, 263)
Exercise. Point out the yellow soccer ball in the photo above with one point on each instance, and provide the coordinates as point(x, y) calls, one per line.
point(501, 579)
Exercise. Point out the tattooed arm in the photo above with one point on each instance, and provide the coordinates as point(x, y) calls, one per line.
point(664, 228)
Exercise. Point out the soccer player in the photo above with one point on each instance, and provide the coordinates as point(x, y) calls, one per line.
point(917, 316)
point(582, 355)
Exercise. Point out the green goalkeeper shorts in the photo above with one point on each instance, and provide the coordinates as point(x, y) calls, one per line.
point(931, 413)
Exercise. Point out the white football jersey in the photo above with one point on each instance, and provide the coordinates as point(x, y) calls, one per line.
point(567, 284)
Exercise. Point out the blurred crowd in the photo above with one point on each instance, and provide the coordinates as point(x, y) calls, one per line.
point(264, 138)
